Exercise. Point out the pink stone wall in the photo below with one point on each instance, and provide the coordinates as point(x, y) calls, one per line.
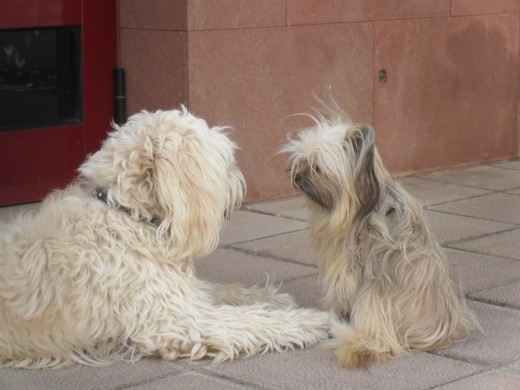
point(451, 95)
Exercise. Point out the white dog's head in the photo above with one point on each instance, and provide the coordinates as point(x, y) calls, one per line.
point(171, 169)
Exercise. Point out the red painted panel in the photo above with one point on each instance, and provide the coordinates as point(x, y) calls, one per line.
point(100, 52)
point(17, 13)
point(59, 12)
point(40, 13)
point(33, 162)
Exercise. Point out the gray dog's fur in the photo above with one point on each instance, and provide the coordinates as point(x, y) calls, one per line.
point(380, 266)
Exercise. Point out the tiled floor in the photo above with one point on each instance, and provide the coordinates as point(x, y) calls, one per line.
point(475, 213)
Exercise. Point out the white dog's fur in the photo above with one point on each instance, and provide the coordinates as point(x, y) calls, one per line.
point(103, 269)
point(381, 267)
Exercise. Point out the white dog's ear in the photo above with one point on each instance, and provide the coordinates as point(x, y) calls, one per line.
point(188, 214)
point(367, 188)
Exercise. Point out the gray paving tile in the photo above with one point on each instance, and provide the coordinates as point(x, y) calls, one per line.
point(483, 176)
point(231, 266)
point(296, 246)
point(317, 368)
point(511, 164)
point(307, 291)
point(291, 207)
point(430, 192)
point(495, 207)
point(490, 380)
point(190, 380)
point(498, 344)
point(503, 244)
point(481, 272)
point(247, 225)
point(76, 377)
point(450, 227)
point(514, 191)
point(512, 367)
point(508, 295)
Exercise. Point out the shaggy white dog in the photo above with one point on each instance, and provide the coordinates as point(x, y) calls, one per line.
point(103, 270)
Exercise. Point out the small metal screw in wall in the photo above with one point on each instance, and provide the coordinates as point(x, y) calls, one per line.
point(383, 76)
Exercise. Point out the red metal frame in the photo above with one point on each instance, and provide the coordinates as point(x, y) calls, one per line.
point(35, 161)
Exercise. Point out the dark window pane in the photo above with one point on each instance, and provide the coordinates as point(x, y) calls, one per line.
point(40, 77)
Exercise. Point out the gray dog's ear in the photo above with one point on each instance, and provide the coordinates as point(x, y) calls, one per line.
point(366, 184)
point(361, 139)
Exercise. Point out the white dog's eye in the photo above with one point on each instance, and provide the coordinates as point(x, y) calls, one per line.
point(316, 168)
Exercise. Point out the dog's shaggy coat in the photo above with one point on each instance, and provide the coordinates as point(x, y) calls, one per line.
point(103, 269)
point(381, 268)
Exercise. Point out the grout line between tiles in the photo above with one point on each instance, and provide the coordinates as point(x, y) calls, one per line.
point(510, 370)
point(228, 244)
point(449, 244)
point(482, 368)
point(491, 302)
point(511, 282)
point(268, 256)
point(512, 224)
point(429, 206)
point(252, 210)
point(462, 184)
point(296, 278)
point(151, 380)
point(482, 365)
point(206, 372)
point(469, 216)
point(502, 167)
point(481, 253)
point(479, 372)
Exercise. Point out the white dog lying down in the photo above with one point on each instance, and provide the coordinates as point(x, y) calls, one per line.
point(103, 271)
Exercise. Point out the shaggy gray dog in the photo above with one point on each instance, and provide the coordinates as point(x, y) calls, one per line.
point(380, 266)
